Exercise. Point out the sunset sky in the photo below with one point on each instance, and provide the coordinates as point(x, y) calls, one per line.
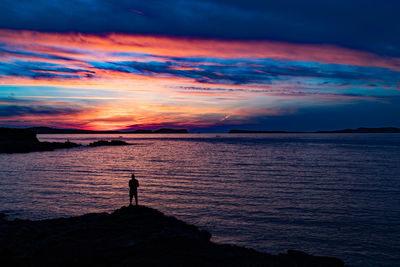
point(200, 65)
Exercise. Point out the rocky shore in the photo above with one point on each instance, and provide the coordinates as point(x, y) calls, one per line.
point(130, 236)
point(22, 141)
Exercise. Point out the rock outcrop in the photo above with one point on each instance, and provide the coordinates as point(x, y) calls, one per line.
point(22, 140)
point(130, 236)
point(109, 143)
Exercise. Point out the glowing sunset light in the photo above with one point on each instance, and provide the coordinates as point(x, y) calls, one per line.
point(77, 45)
point(261, 128)
point(123, 80)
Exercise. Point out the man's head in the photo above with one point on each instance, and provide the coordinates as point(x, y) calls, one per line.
point(133, 176)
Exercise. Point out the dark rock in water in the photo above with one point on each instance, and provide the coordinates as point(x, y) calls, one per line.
point(130, 236)
point(111, 143)
point(56, 145)
point(22, 140)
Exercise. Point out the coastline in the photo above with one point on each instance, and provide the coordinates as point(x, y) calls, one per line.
point(130, 235)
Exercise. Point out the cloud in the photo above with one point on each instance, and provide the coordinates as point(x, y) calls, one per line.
point(248, 71)
point(21, 53)
point(109, 81)
point(100, 45)
point(12, 110)
point(38, 70)
point(358, 24)
point(14, 107)
point(101, 61)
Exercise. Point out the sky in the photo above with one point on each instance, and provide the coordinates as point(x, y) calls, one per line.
point(206, 66)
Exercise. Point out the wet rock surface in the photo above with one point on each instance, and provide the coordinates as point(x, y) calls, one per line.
point(130, 235)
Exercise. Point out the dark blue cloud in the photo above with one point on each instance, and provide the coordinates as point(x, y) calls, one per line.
point(361, 24)
point(10, 107)
point(250, 71)
point(244, 71)
point(9, 110)
point(31, 54)
point(203, 74)
point(37, 70)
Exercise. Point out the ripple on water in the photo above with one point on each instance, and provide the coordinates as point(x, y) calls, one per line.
point(335, 195)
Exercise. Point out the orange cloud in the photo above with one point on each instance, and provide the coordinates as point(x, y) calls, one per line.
point(191, 47)
point(165, 98)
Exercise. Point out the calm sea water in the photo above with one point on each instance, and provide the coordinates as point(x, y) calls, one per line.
point(325, 194)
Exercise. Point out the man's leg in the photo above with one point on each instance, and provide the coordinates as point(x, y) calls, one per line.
point(130, 199)
point(136, 199)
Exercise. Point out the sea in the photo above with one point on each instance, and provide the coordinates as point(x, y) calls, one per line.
point(324, 194)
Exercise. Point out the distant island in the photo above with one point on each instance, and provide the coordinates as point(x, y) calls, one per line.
point(49, 130)
point(166, 130)
point(130, 236)
point(251, 131)
point(358, 130)
point(365, 130)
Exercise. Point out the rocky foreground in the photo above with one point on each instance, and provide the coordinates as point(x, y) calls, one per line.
point(130, 236)
point(22, 141)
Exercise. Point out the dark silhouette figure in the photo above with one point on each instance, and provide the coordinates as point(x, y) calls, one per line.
point(133, 185)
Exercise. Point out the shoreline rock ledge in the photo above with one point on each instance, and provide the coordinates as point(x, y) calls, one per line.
point(130, 236)
point(23, 141)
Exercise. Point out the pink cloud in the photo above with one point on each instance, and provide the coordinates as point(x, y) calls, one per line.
point(192, 47)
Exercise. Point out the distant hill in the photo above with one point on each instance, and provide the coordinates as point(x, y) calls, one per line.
point(166, 130)
point(359, 130)
point(365, 130)
point(139, 132)
point(248, 131)
point(49, 130)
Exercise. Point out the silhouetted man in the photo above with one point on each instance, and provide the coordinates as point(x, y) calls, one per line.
point(133, 185)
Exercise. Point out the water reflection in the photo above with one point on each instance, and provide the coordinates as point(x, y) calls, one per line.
point(324, 194)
